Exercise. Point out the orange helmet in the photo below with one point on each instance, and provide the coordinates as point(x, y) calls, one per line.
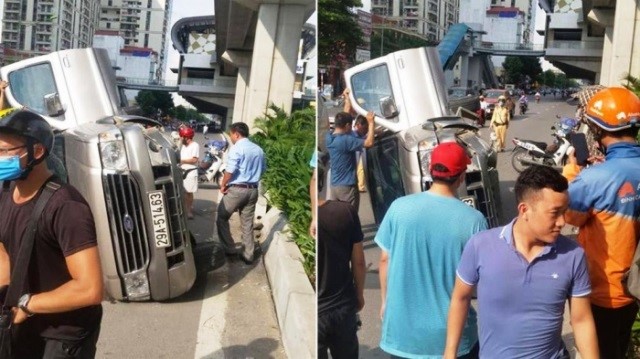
point(186, 132)
point(614, 109)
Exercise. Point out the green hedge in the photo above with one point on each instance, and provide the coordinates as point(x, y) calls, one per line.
point(288, 142)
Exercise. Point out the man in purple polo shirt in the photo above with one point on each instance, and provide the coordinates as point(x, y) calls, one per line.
point(524, 273)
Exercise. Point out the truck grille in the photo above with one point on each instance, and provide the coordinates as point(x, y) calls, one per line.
point(475, 187)
point(127, 222)
point(175, 213)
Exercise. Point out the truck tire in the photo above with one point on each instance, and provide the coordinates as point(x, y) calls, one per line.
point(208, 256)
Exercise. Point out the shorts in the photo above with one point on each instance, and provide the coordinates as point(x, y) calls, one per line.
point(191, 181)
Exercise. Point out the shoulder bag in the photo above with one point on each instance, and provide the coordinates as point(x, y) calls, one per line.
point(19, 275)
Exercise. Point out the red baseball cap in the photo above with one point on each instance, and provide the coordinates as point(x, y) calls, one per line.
point(452, 156)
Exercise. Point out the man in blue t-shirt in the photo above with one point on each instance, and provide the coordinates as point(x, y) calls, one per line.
point(422, 236)
point(342, 146)
point(524, 273)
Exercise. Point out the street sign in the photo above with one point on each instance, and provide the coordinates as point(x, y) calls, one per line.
point(362, 55)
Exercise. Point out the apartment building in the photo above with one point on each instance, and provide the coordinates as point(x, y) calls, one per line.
point(431, 18)
point(36, 27)
point(141, 23)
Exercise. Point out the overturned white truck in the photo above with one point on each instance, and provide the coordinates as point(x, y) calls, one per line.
point(125, 166)
point(406, 91)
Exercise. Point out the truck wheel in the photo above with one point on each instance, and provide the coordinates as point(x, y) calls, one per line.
point(516, 159)
point(208, 256)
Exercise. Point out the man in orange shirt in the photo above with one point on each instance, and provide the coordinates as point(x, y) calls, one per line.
point(605, 205)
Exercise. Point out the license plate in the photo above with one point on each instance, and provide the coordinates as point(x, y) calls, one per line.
point(469, 201)
point(159, 218)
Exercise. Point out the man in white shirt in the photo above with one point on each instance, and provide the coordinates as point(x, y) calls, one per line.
point(189, 156)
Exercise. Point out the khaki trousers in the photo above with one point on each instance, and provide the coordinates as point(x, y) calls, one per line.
point(501, 133)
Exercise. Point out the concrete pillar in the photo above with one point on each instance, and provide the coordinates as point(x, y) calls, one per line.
point(273, 64)
point(464, 70)
point(607, 50)
point(623, 52)
point(241, 94)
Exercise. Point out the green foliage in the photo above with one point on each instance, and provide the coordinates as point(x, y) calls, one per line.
point(394, 41)
point(338, 31)
point(185, 114)
point(151, 101)
point(288, 142)
point(633, 84)
point(634, 345)
point(547, 78)
point(516, 68)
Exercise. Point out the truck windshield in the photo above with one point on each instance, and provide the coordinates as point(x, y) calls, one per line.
point(369, 86)
point(29, 85)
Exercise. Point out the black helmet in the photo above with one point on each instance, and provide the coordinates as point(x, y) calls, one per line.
point(29, 125)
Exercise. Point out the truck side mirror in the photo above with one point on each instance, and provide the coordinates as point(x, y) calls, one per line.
point(53, 105)
point(388, 107)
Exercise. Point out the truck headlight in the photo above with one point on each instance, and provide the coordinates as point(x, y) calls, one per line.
point(136, 286)
point(424, 156)
point(112, 151)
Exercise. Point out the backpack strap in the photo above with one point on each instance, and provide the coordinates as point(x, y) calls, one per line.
point(21, 266)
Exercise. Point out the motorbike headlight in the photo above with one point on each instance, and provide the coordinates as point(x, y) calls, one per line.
point(112, 153)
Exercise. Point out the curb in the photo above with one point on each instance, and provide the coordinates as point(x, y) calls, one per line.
point(293, 296)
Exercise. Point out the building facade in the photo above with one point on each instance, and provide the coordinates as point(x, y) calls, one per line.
point(36, 27)
point(141, 23)
point(430, 18)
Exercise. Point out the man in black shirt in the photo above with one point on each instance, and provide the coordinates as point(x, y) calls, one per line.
point(341, 273)
point(59, 312)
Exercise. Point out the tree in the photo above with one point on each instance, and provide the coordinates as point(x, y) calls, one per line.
point(518, 69)
point(338, 31)
point(633, 84)
point(547, 78)
point(151, 101)
point(186, 114)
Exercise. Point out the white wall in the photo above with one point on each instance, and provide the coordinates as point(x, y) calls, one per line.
point(113, 44)
point(500, 29)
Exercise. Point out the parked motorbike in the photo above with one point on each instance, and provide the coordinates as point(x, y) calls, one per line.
point(523, 107)
point(211, 168)
point(528, 152)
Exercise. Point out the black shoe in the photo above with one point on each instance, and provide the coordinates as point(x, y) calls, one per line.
point(248, 261)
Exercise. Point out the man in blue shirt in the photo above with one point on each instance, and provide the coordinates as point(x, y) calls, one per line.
point(524, 273)
point(422, 236)
point(245, 165)
point(342, 146)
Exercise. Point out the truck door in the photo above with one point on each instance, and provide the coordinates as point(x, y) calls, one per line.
point(31, 80)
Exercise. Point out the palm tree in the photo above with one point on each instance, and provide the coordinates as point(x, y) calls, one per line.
point(633, 84)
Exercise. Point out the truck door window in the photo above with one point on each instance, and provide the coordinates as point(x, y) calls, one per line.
point(30, 84)
point(369, 86)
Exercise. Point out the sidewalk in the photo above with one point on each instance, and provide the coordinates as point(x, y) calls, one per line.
point(248, 328)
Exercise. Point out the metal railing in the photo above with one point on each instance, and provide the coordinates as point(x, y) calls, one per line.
point(505, 46)
point(146, 81)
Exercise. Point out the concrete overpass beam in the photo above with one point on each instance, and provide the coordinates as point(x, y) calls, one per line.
point(601, 17)
point(621, 54)
point(237, 58)
point(275, 51)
